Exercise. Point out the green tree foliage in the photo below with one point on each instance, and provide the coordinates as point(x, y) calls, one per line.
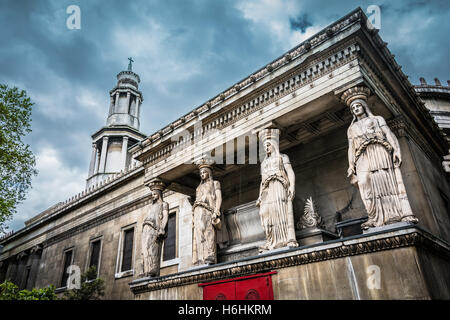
point(17, 162)
point(9, 291)
point(89, 289)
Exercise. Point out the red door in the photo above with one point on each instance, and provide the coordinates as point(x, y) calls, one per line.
point(220, 291)
point(254, 287)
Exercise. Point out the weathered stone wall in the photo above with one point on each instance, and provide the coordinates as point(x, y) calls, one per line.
point(399, 264)
point(116, 286)
point(424, 183)
point(346, 278)
point(321, 173)
point(188, 292)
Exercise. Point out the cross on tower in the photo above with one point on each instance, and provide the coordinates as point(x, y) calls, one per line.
point(129, 64)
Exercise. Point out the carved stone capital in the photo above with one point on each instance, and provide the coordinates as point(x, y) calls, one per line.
point(36, 249)
point(21, 255)
point(204, 162)
point(156, 184)
point(271, 134)
point(358, 92)
point(398, 126)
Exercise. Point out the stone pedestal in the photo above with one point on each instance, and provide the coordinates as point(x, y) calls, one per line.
point(240, 251)
point(310, 236)
point(350, 227)
point(388, 227)
point(334, 270)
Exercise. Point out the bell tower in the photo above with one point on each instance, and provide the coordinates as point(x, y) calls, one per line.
point(110, 144)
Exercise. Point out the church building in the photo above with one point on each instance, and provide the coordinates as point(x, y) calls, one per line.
point(322, 175)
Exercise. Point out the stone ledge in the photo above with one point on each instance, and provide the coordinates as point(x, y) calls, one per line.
point(356, 245)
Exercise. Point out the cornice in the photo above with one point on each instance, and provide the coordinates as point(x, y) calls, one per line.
point(296, 53)
point(415, 237)
point(303, 75)
point(430, 91)
point(118, 129)
point(94, 222)
point(402, 127)
point(122, 88)
point(377, 82)
point(409, 99)
point(63, 207)
point(159, 147)
point(108, 216)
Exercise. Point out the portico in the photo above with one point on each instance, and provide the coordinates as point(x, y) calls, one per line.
point(306, 95)
point(299, 94)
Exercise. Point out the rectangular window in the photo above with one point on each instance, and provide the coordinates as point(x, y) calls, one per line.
point(94, 259)
point(127, 250)
point(169, 248)
point(67, 263)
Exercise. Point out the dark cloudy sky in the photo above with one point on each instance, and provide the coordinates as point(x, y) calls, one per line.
point(185, 51)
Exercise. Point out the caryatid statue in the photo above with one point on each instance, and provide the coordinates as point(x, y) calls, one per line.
point(374, 160)
point(276, 193)
point(206, 215)
point(153, 230)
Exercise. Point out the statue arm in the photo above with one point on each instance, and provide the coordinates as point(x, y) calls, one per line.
point(218, 203)
point(165, 217)
point(393, 141)
point(351, 159)
point(291, 176)
point(263, 177)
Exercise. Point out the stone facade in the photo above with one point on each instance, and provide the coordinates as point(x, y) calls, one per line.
point(436, 98)
point(299, 95)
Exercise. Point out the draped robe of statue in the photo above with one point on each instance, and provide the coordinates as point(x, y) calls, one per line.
point(275, 207)
point(205, 221)
point(372, 146)
point(153, 236)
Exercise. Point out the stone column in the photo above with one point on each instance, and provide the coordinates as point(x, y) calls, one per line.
point(128, 101)
point(36, 252)
point(137, 107)
point(21, 269)
point(97, 161)
point(116, 105)
point(138, 110)
point(111, 104)
point(3, 270)
point(12, 270)
point(124, 153)
point(103, 155)
point(93, 156)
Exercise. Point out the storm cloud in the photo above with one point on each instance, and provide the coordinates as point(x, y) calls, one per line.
point(300, 23)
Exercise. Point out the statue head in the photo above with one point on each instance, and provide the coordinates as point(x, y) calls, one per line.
point(356, 99)
point(156, 195)
point(156, 187)
point(270, 138)
point(205, 173)
point(358, 107)
point(268, 147)
point(205, 166)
